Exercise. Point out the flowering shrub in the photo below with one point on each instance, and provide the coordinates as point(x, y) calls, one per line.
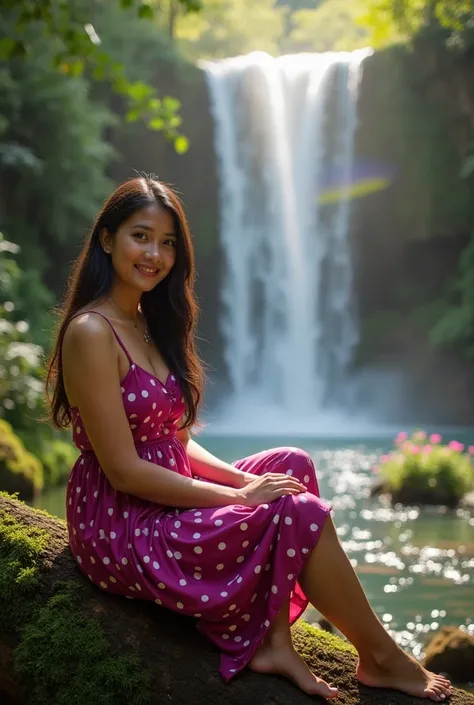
point(422, 470)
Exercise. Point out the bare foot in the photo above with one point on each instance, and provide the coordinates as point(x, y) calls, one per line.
point(404, 673)
point(285, 661)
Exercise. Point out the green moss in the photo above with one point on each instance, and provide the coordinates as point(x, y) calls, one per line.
point(63, 654)
point(20, 471)
point(20, 547)
point(90, 673)
point(309, 638)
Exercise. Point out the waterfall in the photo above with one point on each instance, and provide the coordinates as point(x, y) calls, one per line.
point(288, 322)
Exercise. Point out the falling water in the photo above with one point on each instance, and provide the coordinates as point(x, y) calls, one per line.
point(288, 324)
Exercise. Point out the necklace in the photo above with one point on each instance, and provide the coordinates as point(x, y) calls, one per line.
point(146, 335)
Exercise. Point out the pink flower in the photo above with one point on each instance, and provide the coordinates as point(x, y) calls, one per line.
point(415, 449)
point(435, 438)
point(375, 469)
point(427, 449)
point(456, 446)
point(384, 458)
point(419, 435)
point(471, 450)
point(402, 436)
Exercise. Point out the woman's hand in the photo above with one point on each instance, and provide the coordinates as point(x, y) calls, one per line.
point(268, 487)
point(245, 478)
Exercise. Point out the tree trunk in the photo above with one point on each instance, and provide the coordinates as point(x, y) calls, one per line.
point(55, 660)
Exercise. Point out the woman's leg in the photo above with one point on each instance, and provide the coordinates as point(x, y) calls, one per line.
point(332, 586)
point(277, 655)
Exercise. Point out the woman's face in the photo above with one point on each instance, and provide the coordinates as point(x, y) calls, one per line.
point(143, 249)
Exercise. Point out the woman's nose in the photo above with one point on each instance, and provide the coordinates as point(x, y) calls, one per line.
point(154, 252)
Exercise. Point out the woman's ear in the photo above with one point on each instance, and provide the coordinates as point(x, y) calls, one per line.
point(104, 238)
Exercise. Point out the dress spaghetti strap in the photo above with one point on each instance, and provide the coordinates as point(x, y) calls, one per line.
point(117, 337)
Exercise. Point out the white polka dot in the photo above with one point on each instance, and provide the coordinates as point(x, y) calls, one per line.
point(198, 576)
point(78, 429)
point(224, 594)
point(110, 511)
point(106, 560)
point(156, 565)
point(254, 597)
point(245, 544)
point(91, 523)
point(158, 601)
point(155, 533)
point(145, 531)
point(178, 555)
point(197, 549)
point(138, 586)
point(198, 614)
point(289, 472)
point(177, 524)
point(78, 510)
point(237, 638)
point(102, 584)
point(154, 405)
point(218, 522)
point(290, 576)
point(161, 586)
point(205, 598)
point(197, 514)
point(183, 582)
point(139, 568)
point(92, 559)
point(144, 438)
point(265, 506)
point(246, 617)
point(101, 534)
point(305, 550)
point(124, 561)
point(131, 397)
point(266, 623)
point(306, 478)
point(82, 526)
point(196, 536)
point(78, 559)
point(314, 527)
point(274, 589)
point(197, 567)
point(302, 498)
point(225, 636)
point(147, 419)
point(276, 518)
point(146, 559)
point(246, 643)
point(174, 535)
point(169, 553)
point(172, 462)
point(132, 416)
point(112, 579)
point(198, 521)
point(179, 605)
point(240, 559)
point(220, 566)
point(291, 552)
point(257, 569)
point(232, 627)
point(244, 526)
point(133, 426)
point(144, 393)
point(288, 521)
point(222, 546)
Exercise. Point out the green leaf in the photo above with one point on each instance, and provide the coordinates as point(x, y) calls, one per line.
point(126, 3)
point(146, 12)
point(156, 123)
point(7, 45)
point(181, 144)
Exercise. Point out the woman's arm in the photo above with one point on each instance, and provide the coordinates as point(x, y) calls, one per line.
point(90, 365)
point(204, 464)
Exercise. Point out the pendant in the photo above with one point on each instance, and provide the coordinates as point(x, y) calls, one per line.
point(147, 337)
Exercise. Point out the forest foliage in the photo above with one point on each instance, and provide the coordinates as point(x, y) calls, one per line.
point(73, 72)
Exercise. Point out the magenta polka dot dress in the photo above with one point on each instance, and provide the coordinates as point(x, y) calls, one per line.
point(231, 567)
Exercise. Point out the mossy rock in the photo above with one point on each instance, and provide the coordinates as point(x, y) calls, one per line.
point(64, 641)
point(20, 471)
point(451, 651)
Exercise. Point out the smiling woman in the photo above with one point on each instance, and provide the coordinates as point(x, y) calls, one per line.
point(152, 514)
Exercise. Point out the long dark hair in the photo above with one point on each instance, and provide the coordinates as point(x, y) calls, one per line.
point(170, 309)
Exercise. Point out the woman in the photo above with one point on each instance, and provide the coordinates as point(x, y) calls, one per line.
point(153, 515)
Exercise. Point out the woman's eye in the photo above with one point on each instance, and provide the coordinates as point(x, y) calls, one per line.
point(171, 242)
point(139, 236)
